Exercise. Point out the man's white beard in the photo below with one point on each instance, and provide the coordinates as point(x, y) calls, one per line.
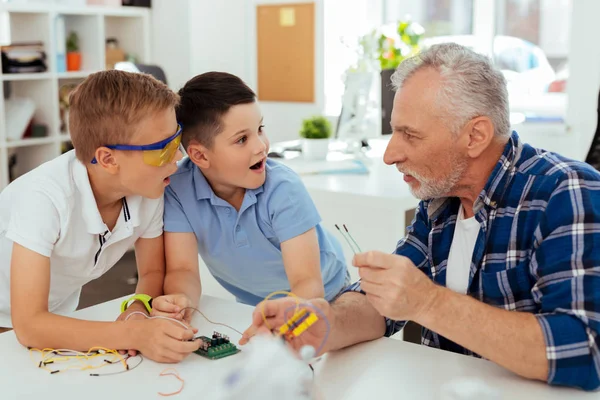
point(433, 189)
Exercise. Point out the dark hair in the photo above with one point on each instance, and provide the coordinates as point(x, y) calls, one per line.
point(204, 99)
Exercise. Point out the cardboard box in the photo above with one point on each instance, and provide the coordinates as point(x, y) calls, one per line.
point(113, 56)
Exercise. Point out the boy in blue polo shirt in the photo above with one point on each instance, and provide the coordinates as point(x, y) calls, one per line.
point(250, 218)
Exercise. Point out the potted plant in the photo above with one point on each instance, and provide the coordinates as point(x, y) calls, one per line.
point(315, 133)
point(63, 99)
point(73, 54)
point(396, 43)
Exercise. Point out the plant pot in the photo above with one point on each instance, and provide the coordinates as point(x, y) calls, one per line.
point(73, 61)
point(387, 100)
point(315, 149)
point(66, 122)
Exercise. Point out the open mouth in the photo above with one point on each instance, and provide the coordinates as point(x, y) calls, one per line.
point(258, 165)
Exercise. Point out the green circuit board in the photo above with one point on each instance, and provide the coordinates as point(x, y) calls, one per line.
point(215, 347)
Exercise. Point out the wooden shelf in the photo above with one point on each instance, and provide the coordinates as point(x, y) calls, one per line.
point(41, 8)
point(30, 142)
point(26, 77)
point(35, 22)
point(74, 74)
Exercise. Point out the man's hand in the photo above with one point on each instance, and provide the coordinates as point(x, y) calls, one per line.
point(278, 311)
point(163, 341)
point(394, 285)
point(173, 306)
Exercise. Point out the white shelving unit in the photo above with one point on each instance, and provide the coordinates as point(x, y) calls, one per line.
point(35, 22)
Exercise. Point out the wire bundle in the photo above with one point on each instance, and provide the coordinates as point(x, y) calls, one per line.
point(349, 239)
point(95, 358)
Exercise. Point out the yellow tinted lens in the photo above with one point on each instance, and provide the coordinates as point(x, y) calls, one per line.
point(158, 158)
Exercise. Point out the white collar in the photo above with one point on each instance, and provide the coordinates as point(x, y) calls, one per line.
point(91, 215)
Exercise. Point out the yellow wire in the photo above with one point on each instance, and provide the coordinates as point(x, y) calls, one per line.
point(262, 308)
point(53, 355)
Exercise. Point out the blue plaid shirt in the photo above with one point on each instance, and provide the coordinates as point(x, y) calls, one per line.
point(538, 251)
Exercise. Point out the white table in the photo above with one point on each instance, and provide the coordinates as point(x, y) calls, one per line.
point(394, 369)
point(385, 368)
point(19, 374)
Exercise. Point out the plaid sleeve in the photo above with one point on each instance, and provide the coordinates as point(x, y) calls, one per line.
point(567, 261)
point(413, 246)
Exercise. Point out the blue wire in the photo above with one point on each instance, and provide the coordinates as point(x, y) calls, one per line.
point(315, 309)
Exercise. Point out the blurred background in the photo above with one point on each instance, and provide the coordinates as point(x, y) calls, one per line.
point(320, 68)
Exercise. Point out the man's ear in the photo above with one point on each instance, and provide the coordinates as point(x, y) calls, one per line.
point(106, 159)
point(481, 134)
point(198, 154)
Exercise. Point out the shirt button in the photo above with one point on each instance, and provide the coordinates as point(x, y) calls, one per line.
point(227, 211)
point(237, 228)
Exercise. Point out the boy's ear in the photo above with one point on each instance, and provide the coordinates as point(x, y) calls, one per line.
point(106, 159)
point(198, 154)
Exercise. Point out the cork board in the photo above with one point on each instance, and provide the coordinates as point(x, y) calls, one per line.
point(285, 35)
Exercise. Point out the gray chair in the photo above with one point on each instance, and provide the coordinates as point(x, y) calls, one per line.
point(153, 70)
point(593, 156)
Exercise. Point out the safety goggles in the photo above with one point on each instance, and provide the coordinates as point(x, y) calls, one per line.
point(155, 154)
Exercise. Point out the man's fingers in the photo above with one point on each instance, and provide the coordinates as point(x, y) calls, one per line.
point(376, 301)
point(373, 275)
point(371, 288)
point(373, 259)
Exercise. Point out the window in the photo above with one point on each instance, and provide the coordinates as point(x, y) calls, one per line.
point(531, 46)
point(4, 29)
point(527, 39)
point(345, 22)
point(438, 17)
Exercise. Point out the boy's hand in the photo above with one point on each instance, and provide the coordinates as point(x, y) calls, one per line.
point(276, 312)
point(164, 341)
point(136, 306)
point(173, 306)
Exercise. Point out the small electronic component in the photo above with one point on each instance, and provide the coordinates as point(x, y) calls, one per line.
point(215, 347)
point(300, 322)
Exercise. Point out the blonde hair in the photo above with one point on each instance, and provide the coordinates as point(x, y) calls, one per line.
point(106, 107)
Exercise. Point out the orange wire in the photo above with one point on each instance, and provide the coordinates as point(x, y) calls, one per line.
point(176, 375)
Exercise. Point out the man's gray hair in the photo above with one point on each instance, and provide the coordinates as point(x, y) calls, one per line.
point(471, 85)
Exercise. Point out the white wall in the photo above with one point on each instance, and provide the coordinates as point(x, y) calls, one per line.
point(218, 32)
point(554, 41)
point(170, 29)
point(584, 76)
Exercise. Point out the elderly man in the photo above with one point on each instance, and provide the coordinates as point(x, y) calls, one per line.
point(499, 261)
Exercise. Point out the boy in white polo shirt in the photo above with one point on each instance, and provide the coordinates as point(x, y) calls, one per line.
point(71, 219)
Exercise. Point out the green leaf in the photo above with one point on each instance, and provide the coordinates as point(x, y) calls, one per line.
point(317, 127)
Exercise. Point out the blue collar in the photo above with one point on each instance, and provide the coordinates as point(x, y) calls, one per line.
point(205, 192)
